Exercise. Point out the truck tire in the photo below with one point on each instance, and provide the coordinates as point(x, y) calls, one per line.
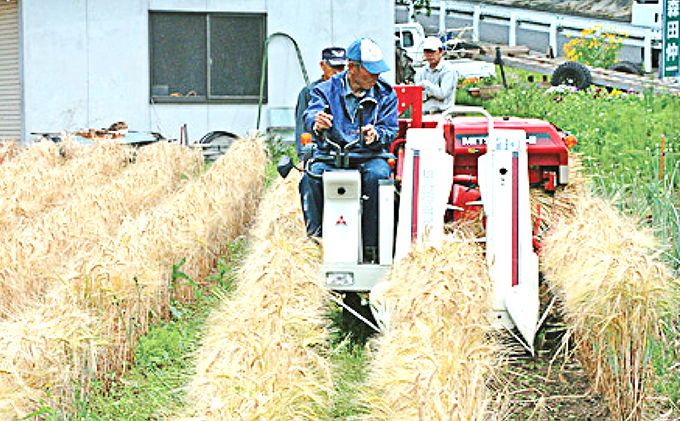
point(572, 73)
point(627, 67)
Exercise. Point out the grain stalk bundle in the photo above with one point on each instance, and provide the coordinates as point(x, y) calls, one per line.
point(548, 208)
point(613, 291)
point(46, 354)
point(434, 361)
point(57, 242)
point(131, 277)
point(8, 150)
point(126, 277)
point(46, 175)
point(260, 359)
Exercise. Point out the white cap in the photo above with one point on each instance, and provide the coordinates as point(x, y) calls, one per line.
point(432, 44)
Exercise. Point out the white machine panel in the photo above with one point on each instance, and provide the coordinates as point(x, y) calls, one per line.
point(342, 216)
point(427, 178)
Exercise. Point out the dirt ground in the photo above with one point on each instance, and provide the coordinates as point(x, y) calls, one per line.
point(547, 388)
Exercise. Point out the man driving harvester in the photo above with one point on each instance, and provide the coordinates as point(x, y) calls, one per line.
point(334, 113)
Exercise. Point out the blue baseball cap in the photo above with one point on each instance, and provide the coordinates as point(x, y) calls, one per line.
point(367, 52)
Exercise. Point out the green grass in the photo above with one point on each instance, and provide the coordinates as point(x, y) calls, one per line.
point(164, 359)
point(349, 364)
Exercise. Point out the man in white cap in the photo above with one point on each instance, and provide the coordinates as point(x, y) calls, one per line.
point(438, 78)
point(333, 110)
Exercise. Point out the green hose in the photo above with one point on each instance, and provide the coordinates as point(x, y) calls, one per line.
point(264, 66)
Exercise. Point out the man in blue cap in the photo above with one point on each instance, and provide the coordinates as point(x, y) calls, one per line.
point(333, 60)
point(342, 94)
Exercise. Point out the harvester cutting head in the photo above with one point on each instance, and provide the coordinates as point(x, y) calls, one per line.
point(479, 168)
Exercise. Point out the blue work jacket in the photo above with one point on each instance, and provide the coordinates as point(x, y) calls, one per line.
point(382, 113)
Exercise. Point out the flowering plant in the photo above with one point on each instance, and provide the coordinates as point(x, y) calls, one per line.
point(595, 47)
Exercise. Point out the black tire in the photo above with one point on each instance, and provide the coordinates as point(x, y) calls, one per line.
point(211, 136)
point(572, 73)
point(628, 67)
point(216, 143)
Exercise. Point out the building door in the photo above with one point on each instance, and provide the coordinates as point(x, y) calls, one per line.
point(10, 82)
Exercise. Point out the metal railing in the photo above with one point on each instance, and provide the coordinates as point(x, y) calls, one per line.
point(551, 23)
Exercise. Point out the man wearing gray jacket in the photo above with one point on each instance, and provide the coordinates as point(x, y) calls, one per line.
point(438, 78)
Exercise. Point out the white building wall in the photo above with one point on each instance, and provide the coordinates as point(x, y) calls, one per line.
point(86, 62)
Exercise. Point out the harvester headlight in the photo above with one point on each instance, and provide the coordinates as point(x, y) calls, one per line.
point(339, 279)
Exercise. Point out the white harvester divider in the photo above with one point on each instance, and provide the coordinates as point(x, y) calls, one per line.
point(513, 265)
point(504, 186)
point(426, 186)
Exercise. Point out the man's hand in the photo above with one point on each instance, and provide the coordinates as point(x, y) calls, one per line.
point(428, 86)
point(322, 121)
point(370, 134)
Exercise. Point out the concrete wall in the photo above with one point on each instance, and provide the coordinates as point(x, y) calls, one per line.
point(86, 62)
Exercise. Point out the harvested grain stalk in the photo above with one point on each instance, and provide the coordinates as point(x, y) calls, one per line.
point(613, 291)
point(260, 359)
point(434, 361)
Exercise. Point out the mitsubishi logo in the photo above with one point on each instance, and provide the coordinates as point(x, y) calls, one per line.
point(341, 221)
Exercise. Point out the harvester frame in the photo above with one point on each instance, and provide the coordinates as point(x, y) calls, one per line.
point(449, 170)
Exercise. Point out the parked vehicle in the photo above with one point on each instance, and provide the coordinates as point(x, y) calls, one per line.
point(410, 37)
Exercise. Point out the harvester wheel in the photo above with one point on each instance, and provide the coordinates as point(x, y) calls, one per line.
point(572, 73)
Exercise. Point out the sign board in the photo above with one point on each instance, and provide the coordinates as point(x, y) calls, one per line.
point(670, 64)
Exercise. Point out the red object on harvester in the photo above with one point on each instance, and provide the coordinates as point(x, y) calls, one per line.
point(410, 96)
point(466, 140)
point(463, 199)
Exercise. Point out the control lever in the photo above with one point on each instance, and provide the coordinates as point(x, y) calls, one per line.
point(362, 140)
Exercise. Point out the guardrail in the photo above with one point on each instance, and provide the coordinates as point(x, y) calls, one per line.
point(551, 23)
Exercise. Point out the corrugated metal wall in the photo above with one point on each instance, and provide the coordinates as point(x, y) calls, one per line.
point(10, 84)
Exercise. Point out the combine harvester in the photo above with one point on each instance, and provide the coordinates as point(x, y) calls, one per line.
point(475, 169)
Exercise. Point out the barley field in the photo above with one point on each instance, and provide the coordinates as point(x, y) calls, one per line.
point(91, 237)
point(146, 284)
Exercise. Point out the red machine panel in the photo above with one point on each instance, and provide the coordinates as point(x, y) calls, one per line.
point(466, 141)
